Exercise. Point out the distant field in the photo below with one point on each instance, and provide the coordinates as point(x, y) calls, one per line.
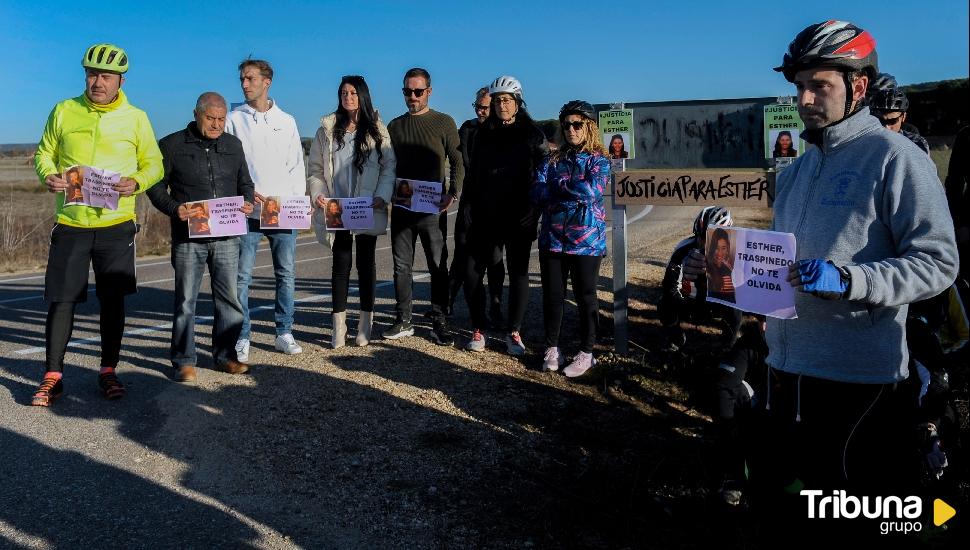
point(27, 214)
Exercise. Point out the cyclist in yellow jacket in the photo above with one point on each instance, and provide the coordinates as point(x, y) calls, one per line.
point(98, 129)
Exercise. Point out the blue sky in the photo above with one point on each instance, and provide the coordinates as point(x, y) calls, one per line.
point(647, 51)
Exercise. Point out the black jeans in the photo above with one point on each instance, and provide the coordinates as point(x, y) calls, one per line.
point(485, 251)
point(406, 227)
point(555, 269)
point(343, 244)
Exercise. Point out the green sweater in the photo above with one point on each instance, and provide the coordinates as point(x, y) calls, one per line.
point(421, 145)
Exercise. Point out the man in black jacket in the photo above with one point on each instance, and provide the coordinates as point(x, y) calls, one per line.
point(201, 163)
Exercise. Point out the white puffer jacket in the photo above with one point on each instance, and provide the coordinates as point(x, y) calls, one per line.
point(377, 179)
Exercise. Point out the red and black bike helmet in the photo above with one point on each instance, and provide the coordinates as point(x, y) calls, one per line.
point(835, 44)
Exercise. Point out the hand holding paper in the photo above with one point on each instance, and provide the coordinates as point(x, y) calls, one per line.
point(125, 187)
point(246, 208)
point(446, 201)
point(818, 277)
point(695, 265)
point(55, 183)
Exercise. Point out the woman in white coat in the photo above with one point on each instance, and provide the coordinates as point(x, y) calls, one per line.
point(351, 156)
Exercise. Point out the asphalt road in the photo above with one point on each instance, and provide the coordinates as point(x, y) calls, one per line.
point(170, 465)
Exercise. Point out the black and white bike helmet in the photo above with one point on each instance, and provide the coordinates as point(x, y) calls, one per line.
point(711, 215)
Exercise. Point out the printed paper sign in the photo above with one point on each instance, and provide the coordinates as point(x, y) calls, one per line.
point(349, 213)
point(217, 218)
point(617, 128)
point(783, 130)
point(747, 269)
point(285, 212)
point(90, 186)
point(417, 195)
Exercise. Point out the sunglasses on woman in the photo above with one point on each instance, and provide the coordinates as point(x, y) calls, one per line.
point(575, 125)
point(416, 92)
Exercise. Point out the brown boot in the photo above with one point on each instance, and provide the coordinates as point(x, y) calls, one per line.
point(185, 373)
point(234, 367)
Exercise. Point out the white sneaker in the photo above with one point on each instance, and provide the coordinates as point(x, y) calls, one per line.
point(287, 344)
point(552, 360)
point(242, 350)
point(477, 342)
point(514, 345)
point(581, 363)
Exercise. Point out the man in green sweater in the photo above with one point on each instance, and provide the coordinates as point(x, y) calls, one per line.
point(422, 140)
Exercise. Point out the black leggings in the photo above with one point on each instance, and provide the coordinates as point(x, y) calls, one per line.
point(484, 254)
point(60, 325)
point(555, 269)
point(366, 270)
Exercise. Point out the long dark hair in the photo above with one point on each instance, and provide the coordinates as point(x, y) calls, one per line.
point(366, 122)
point(778, 153)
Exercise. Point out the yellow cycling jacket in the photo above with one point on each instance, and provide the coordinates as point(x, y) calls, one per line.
point(115, 137)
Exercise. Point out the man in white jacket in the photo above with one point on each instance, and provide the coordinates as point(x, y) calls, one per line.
point(274, 154)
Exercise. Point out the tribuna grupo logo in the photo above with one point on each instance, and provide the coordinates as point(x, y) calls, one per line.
point(898, 514)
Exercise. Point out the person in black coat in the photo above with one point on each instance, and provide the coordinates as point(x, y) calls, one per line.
point(202, 162)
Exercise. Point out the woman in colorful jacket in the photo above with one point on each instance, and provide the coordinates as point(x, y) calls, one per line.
point(351, 156)
point(568, 191)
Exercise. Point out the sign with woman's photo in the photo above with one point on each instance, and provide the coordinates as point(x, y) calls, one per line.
point(279, 212)
point(90, 186)
point(617, 128)
point(217, 218)
point(349, 213)
point(783, 130)
point(747, 269)
point(417, 195)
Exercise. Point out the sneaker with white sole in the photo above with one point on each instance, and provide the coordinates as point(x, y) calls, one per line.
point(552, 360)
point(513, 342)
point(287, 344)
point(580, 364)
point(242, 350)
point(477, 342)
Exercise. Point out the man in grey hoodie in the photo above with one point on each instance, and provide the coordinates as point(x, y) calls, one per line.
point(870, 218)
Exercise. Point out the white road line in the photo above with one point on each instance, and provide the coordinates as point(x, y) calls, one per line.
point(91, 288)
point(152, 264)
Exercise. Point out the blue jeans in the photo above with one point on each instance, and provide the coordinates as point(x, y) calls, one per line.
point(189, 260)
point(282, 244)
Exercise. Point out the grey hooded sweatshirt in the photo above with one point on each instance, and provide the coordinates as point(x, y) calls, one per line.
point(868, 199)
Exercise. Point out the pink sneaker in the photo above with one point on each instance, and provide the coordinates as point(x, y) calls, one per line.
point(552, 360)
point(580, 364)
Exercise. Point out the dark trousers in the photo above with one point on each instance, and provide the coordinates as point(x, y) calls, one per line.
point(556, 269)
point(483, 251)
point(495, 273)
point(836, 435)
point(111, 252)
point(406, 228)
point(60, 326)
point(343, 245)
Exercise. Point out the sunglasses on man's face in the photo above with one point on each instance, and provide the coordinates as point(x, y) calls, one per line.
point(886, 121)
point(575, 125)
point(416, 92)
point(480, 107)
